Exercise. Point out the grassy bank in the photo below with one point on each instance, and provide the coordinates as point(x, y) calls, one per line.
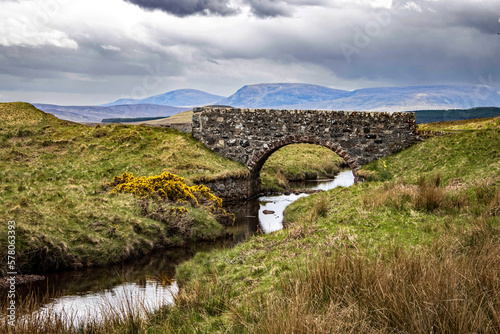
point(52, 174)
point(415, 249)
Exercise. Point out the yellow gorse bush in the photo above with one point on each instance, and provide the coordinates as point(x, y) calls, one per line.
point(165, 186)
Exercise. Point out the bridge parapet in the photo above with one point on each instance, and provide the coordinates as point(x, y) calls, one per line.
point(250, 136)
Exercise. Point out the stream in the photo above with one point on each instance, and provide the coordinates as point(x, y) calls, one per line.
point(148, 283)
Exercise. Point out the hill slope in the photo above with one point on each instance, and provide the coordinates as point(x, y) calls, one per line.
point(303, 96)
point(51, 178)
point(177, 98)
point(94, 114)
point(281, 94)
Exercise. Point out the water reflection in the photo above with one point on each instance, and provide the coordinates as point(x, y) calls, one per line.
point(266, 212)
point(271, 211)
point(143, 284)
point(125, 300)
point(343, 179)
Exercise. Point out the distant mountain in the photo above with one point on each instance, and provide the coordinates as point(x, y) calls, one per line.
point(94, 114)
point(291, 96)
point(177, 98)
point(411, 98)
point(305, 96)
point(281, 94)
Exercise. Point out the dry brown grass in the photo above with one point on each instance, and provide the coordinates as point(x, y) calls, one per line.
point(184, 117)
point(480, 197)
point(467, 124)
point(453, 287)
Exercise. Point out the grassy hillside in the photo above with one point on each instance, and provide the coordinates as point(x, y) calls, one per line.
point(180, 118)
point(416, 249)
point(52, 173)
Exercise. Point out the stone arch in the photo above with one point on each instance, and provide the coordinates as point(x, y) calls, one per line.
point(261, 156)
point(250, 136)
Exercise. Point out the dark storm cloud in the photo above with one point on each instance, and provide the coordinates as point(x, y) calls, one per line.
point(188, 7)
point(482, 16)
point(270, 8)
point(482, 19)
point(259, 8)
point(423, 42)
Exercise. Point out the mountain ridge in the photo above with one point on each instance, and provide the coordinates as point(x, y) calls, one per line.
point(95, 114)
point(292, 96)
point(176, 98)
point(451, 96)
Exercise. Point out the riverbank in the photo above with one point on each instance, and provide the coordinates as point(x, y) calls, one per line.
point(416, 248)
point(52, 174)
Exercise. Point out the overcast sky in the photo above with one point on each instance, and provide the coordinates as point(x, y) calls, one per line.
point(96, 51)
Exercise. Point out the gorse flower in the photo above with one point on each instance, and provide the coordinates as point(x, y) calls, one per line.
point(166, 186)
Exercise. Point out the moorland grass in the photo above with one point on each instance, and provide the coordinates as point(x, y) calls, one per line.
point(52, 172)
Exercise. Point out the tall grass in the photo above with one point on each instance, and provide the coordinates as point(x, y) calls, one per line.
point(481, 197)
point(453, 287)
point(130, 313)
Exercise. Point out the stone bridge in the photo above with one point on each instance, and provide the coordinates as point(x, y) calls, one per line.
point(250, 136)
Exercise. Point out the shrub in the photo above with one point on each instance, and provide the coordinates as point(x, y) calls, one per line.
point(165, 186)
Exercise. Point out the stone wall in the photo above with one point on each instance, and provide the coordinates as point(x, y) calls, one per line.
point(250, 136)
point(234, 189)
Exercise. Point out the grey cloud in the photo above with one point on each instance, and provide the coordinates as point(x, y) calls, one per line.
point(444, 45)
point(482, 19)
point(260, 8)
point(188, 7)
point(464, 13)
point(91, 70)
point(270, 8)
point(447, 42)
